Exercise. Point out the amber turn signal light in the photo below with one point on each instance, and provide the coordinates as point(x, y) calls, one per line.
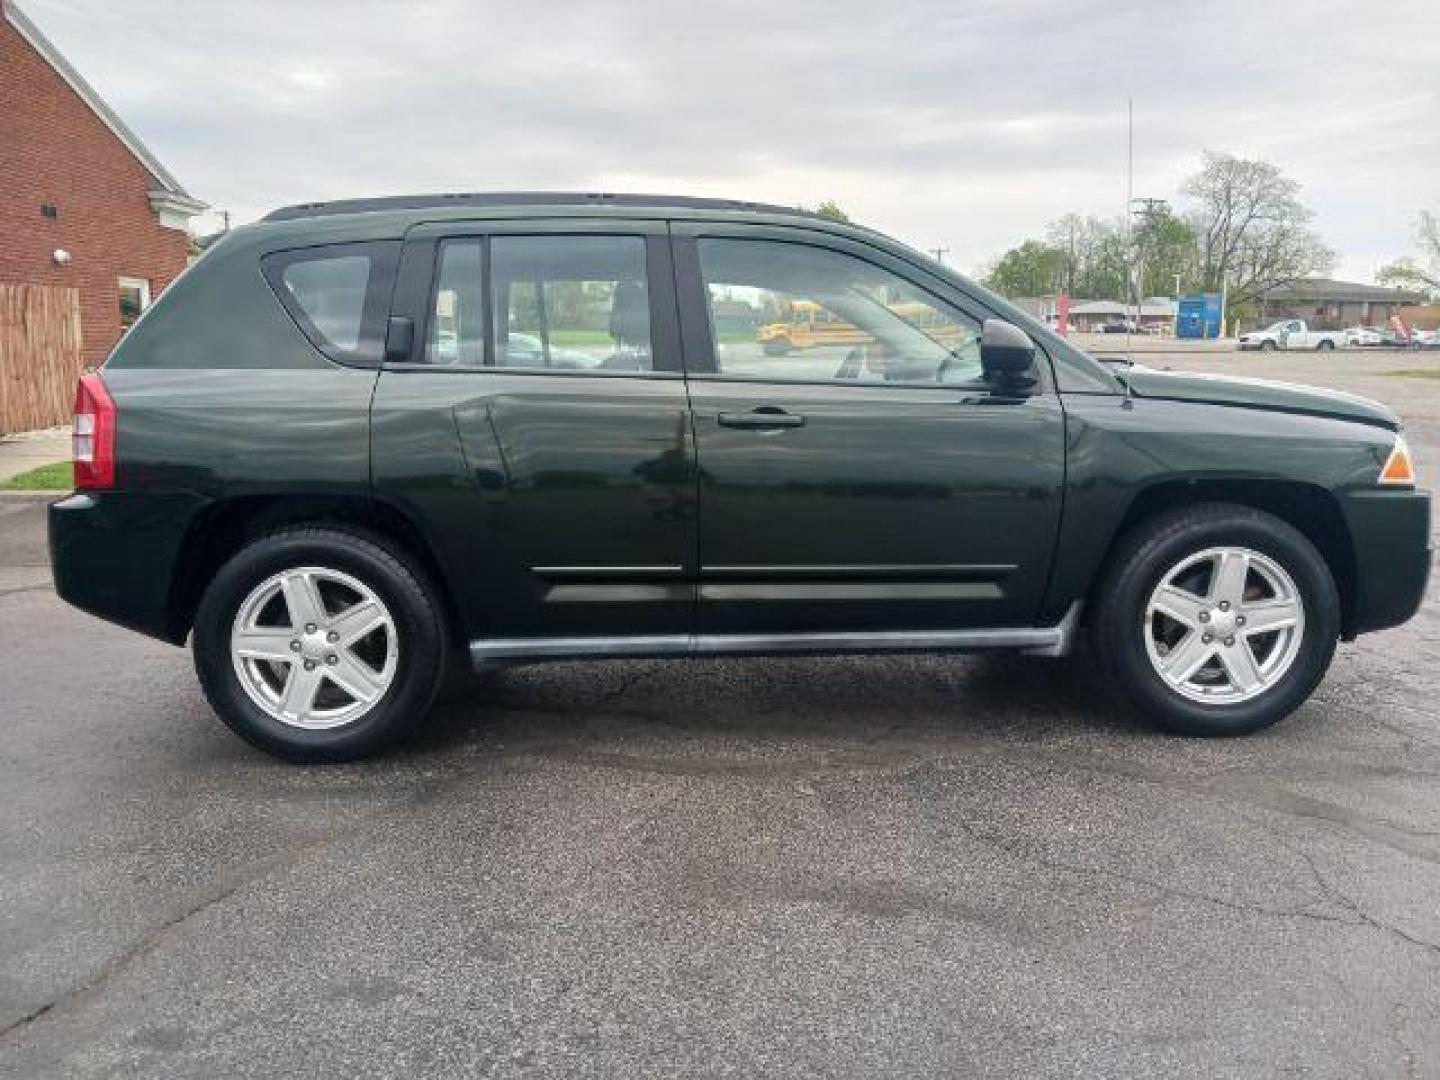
point(1399, 469)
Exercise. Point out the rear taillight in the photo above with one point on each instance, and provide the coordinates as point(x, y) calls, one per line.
point(93, 444)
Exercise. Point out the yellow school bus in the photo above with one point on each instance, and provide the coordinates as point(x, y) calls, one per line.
point(810, 324)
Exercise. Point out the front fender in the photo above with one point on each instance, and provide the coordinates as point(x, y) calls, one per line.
point(1117, 450)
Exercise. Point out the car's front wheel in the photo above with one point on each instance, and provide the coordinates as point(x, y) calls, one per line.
point(320, 644)
point(1216, 619)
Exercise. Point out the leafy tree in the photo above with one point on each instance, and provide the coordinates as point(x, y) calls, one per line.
point(1032, 269)
point(1252, 231)
point(1164, 247)
point(1246, 232)
point(830, 209)
point(1409, 271)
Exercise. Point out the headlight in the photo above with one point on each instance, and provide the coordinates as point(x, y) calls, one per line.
point(1399, 468)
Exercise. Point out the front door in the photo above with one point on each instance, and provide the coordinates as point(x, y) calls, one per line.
point(541, 427)
point(867, 486)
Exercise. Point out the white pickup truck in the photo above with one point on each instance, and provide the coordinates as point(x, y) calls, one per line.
point(1292, 334)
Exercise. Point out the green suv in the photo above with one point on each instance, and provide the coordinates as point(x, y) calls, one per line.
point(360, 441)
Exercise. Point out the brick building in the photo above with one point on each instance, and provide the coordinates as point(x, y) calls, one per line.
point(83, 203)
point(1327, 304)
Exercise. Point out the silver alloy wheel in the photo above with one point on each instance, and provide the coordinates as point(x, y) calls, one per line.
point(1224, 625)
point(314, 648)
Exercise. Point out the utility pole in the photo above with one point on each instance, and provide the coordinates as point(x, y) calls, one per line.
point(1148, 210)
point(940, 253)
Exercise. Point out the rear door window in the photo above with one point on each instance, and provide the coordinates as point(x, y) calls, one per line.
point(559, 303)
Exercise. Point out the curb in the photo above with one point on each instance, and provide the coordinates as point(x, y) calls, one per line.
point(33, 496)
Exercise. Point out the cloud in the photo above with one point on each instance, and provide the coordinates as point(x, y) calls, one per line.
point(967, 126)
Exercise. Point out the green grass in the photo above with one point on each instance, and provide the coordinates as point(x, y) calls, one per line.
point(1415, 373)
point(572, 338)
point(54, 477)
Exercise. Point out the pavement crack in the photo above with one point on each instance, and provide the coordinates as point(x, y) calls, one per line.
point(157, 935)
point(1062, 866)
point(29, 1017)
point(1345, 901)
point(26, 588)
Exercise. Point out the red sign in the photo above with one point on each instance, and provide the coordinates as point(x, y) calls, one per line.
point(1062, 313)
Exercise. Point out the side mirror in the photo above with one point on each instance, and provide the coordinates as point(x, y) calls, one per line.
point(1006, 353)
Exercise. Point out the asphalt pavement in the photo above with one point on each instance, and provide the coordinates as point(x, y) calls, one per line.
point(830, 867)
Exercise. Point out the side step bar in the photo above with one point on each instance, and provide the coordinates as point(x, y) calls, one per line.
point(1054, 640)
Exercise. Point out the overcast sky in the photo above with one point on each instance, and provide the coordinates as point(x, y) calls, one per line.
point(960, 125)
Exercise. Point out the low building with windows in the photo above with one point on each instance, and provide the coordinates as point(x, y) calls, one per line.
point(1155, 313)
point(1327, 304)
point(91, 222)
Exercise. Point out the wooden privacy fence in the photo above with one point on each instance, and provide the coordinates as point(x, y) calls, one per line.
point(39, 355)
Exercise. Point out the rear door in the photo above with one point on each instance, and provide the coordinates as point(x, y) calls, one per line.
point(870, 485)
point(538, 426)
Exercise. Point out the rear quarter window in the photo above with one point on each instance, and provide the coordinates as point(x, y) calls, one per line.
point(338, 295)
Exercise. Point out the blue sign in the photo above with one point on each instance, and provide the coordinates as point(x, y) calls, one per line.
point(1199, 316)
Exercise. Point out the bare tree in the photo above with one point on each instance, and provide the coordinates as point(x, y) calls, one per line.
point(1095, 255)
point(1412, 272)
point(1253, 231)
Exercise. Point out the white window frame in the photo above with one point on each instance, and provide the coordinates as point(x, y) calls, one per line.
point(140, 285)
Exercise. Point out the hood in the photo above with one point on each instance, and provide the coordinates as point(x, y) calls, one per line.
point(1256, 394)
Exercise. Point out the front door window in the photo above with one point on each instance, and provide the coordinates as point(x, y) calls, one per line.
point(817, 315)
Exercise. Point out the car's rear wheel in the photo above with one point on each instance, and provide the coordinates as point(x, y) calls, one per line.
point(1325, 346)
point(320, 644)
point(1216, 619)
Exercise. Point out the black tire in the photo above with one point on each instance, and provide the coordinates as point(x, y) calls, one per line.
point(1324, 346)
point(384, 568)
point(1146, 553)
point(1268, 346)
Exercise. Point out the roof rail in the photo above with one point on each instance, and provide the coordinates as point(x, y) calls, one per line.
point(481, 199)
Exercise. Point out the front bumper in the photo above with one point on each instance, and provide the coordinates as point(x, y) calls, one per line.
point(1390, 531)
point(114, 554)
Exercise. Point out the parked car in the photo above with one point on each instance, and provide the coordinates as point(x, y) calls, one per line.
point(281, 464)
point(1120, 326)
point(1364, 335)
point(1292, 334)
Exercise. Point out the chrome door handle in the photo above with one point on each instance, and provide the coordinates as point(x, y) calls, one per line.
point(764, 417)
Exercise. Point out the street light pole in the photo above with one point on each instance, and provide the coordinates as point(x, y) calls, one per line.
point(1175, 315)
point(1129, 203)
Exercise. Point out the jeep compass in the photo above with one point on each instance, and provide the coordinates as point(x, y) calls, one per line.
point(361, 442)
